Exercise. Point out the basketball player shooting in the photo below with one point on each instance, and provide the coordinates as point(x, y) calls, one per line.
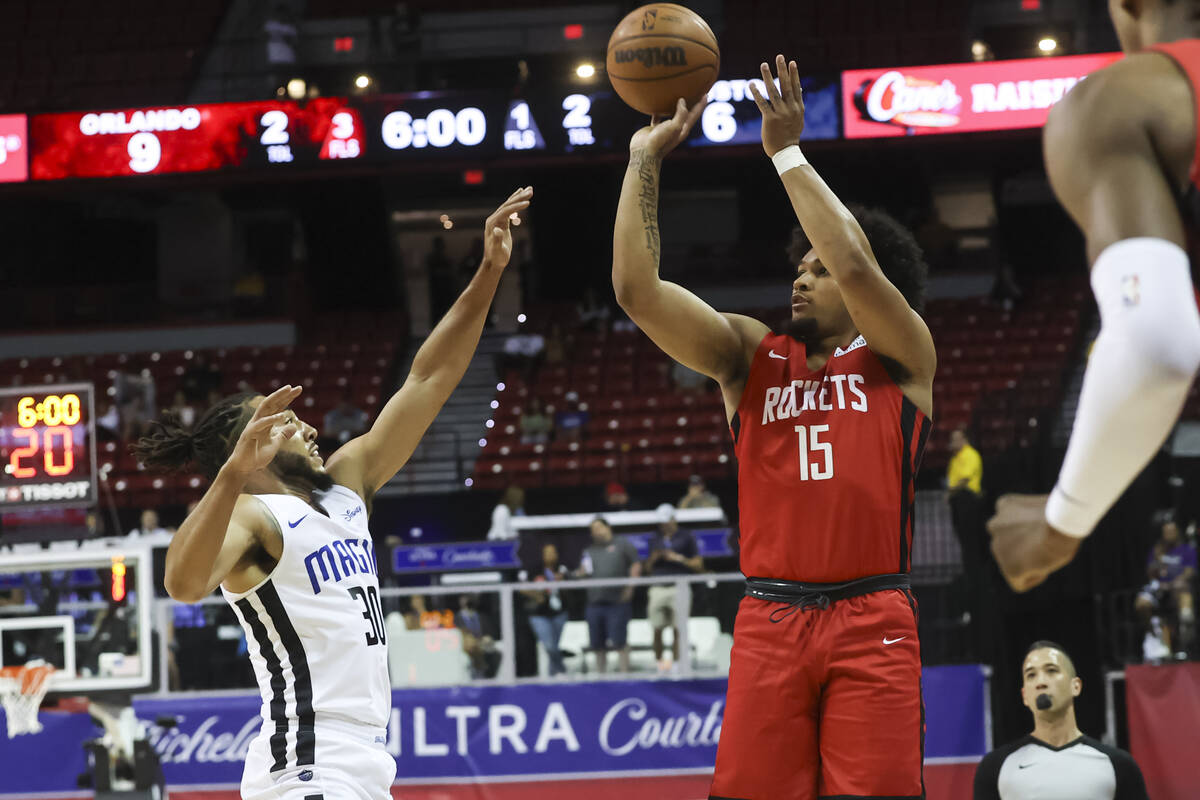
point(829, 422)
point(1123, 156)
point(285, 536)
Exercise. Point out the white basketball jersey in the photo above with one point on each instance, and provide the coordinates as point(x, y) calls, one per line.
point(314, 627)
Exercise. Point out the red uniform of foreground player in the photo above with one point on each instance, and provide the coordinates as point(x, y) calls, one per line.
point(829, 422)
point(1123, 155)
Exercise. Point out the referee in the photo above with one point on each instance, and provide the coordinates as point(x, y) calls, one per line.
point(1056, 760)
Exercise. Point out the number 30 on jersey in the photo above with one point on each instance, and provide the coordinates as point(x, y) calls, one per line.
point(810, 445)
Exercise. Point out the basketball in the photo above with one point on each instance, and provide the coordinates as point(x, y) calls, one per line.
point(660, 53)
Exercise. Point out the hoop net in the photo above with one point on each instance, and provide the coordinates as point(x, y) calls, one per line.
point(21, 693)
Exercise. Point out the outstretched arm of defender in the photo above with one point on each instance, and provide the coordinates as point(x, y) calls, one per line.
point(880, 312)
point(370, 461)
point(214, 537)
point(1107, 170)
point(1149, 345)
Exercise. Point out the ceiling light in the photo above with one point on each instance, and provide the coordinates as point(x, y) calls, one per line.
point(585, 71)
point(362, 81)
point(1047, 44)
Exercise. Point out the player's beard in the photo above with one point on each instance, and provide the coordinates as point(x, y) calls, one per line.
point(294, 467)
point(804, 330)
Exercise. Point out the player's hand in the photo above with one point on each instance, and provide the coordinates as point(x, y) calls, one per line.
point(497, 231)
point(264, 434)
point(1026, 548)
point(663, 135)
point(783, 107)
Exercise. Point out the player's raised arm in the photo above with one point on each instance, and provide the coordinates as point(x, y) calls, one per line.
point(679, 322)
point(225, 525)
point(879, 311)
point(369, 461)
point(1105, 150)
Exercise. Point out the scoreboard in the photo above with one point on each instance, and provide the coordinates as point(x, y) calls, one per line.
point(47, 446)
point(383, 129)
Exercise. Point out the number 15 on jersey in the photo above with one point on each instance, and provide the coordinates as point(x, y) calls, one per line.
point(812, 466)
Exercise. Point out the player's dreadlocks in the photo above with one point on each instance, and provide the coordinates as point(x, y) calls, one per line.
point(169, 446)
point(898, 254)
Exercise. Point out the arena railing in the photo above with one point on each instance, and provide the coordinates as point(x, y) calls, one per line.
point(445, 655)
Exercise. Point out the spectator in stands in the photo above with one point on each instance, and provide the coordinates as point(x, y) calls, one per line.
point(687, 380)
point(673, 551)
point(511, 505)
point(523, 353)
point(201, 381)
point(108, 424)
point(1056, 759)
point(1170, 568)
point(591, 313)
point(616, 498)
point(182, 408)
point(546, 613)
point(569, 424)
point(609, 608)
point(148, 525)
point(345, 421)
point(964, 481)
point(535, 424)
point(478, 639)
point(698, 495)
point(1006, 292)
point(556, 346)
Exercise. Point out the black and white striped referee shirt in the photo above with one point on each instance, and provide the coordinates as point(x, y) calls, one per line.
point(1083, 769)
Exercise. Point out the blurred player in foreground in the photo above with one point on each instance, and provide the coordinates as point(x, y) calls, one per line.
point(829, 422)
point(1122, 154)
point(285, 537)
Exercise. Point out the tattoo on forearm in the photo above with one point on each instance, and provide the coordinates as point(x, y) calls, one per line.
point(646, 166)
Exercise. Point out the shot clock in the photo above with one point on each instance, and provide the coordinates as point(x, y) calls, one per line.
point(47, 446)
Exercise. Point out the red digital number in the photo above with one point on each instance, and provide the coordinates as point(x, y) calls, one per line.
point(68, 450)
point(18, 470)
point(14, 462)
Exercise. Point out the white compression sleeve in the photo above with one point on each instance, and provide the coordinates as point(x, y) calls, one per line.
point(1137, 378)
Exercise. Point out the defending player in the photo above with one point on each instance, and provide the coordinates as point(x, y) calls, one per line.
point(285, 537)
point(829, 424)
point(1123, 155)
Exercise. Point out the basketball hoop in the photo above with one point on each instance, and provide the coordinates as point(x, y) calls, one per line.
point(21, 693)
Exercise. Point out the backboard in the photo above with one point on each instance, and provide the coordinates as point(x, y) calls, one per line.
point(86, 611)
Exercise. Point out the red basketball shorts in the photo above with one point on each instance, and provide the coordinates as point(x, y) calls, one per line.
point(825, 703)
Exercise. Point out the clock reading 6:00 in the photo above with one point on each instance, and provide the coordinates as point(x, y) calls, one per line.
point(53, 410)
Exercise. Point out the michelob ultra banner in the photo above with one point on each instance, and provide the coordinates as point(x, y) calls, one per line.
point(956, 98)
point(465, 733)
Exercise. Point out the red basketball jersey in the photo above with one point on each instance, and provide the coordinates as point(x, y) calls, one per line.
point(826, 464)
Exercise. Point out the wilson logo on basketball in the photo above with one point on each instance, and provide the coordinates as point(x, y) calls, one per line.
point(652, 56)
point(912, 102)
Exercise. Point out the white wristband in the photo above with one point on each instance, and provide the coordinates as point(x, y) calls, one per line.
point(788, 158)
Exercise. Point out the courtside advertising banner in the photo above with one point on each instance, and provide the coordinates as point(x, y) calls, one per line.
point(534, 732)
point(958, 98)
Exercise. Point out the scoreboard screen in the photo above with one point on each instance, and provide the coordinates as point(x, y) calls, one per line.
point(277, 134)
point(47, 446)
point(197, 138)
